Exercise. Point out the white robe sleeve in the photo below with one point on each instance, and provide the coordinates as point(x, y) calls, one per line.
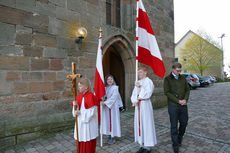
point(146, 89)
point(120, 104)
point(134, 96)
point(112, 100)
point(87, 114)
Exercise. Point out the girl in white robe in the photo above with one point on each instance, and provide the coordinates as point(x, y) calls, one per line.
point(110, 111)
point(144, 126)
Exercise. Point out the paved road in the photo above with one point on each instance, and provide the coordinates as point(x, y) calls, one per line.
point(208, 129)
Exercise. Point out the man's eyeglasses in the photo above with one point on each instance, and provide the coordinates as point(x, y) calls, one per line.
point(178, 70)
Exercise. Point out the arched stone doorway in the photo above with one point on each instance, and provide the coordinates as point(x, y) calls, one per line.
point(112, 64)
point(119, 60)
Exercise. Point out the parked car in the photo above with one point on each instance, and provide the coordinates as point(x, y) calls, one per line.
point(213, 79)
point(192, 79)
point(204, 81)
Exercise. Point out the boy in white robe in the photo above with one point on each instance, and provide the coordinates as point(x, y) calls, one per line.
point(110, 111)
point(144, 126)
point(87, 115)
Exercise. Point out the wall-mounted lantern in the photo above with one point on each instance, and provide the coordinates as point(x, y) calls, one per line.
point(81, 34)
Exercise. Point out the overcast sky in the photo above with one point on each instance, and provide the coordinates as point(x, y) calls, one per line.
point(211, 16)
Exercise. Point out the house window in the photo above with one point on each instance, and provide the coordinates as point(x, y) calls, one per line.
point(113, 12)
point(176, 59)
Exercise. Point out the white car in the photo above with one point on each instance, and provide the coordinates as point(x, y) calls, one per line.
point(192, 79)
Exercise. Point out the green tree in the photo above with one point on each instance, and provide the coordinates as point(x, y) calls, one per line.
point(199, 55)
point(209, 38)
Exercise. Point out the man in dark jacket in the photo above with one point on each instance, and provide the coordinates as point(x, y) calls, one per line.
point(177, 91)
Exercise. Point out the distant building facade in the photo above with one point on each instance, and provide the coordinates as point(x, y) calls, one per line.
point(215, 66)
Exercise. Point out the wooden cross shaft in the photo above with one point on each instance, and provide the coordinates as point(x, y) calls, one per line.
point(72, 77)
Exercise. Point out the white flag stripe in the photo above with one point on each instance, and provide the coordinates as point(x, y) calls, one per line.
point(141, 6)
point(148, 41)
point(99, 60)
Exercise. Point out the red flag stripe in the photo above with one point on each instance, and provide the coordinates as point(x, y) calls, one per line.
point(99, 88)
point(155, 63)
point(144, 22)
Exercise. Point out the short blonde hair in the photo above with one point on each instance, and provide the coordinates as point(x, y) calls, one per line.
point(143, 68)
point(86, 82)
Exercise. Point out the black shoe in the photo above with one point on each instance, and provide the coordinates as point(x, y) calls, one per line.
point(121, 109)
point(176, 149)
point(180, 141)
point(146, 151)
point(140, 150)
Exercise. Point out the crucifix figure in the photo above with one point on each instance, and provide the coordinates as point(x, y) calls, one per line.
point(72, 77)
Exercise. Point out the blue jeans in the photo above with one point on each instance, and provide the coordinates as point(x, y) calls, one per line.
point(177, 113)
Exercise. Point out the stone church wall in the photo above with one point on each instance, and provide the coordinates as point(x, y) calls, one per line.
point(37, 46)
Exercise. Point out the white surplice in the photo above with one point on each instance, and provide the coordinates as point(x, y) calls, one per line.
point(147, 135)
point(87, 123)
point(113, 102)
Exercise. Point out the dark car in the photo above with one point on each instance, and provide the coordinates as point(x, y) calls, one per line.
point(204, 81)
point(192, 79)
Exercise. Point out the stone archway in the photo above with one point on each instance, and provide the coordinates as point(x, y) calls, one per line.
point(119, 60)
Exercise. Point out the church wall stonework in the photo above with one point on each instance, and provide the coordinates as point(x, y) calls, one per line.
point(37, 46)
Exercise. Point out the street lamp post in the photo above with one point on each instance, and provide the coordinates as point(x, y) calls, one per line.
point(221, 37)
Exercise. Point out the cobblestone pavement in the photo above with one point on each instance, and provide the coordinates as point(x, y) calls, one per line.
point(208, 130)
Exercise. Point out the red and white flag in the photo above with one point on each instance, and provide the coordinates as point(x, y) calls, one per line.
point(148, 50)
point(99, 86)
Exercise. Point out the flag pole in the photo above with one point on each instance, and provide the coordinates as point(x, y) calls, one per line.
point(101, 135)
point(137, 18)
